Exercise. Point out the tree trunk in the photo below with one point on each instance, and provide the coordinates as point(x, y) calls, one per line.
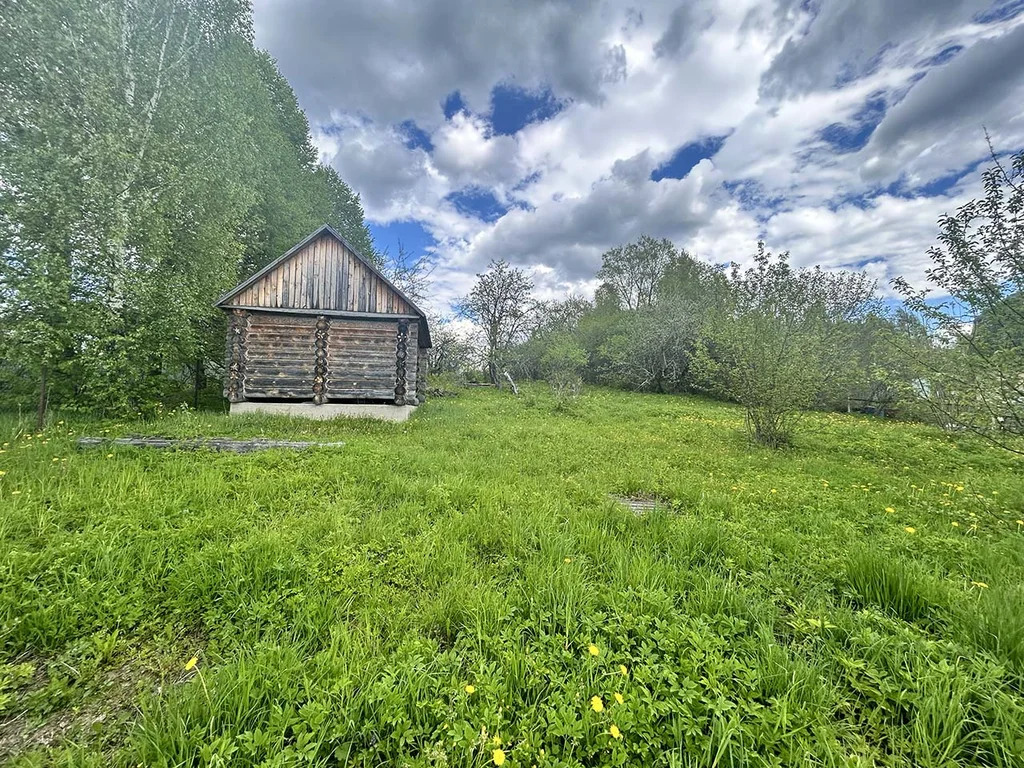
point(198, 382)
point(43, 393)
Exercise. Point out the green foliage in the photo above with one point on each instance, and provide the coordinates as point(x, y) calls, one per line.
point(774, 607)
point(778, 338)
point(978, 271)
point(150, 155)
point(501, 305)
point(562, 364)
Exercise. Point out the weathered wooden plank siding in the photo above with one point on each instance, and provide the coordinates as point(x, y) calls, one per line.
point(323, 275)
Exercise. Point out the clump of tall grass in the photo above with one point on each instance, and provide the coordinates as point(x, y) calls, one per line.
point(997, 623)
point(882, 580)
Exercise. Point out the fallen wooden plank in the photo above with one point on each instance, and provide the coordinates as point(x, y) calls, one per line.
point(202, 443)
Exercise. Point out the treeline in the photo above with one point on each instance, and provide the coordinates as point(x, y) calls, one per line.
point(777, 339)
point(150, 155)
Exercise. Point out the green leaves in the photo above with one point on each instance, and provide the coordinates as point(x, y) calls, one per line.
point(150, 156)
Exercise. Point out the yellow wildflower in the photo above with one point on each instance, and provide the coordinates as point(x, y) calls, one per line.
point(191, 663)
point(55, 459)
point(955, 524)
point(596, 704)
point(593, 650)
point(567, 560)
point(470, 689)
point(496, 740)
point(3, 472)
point(624, 671)
point(15, 493)
point(618, 698)
point(615, 732)
point(980, 584)
point(498, 756)
point(910, 529)
point(890, 510)
point(774, 490)
point(110, 455)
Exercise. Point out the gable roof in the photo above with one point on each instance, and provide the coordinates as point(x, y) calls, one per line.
point(225, 301)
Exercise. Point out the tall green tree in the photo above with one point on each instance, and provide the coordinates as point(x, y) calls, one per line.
point(149, 155)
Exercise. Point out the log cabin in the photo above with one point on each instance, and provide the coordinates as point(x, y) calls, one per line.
point(321, 332)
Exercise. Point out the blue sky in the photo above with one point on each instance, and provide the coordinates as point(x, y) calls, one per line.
point(547, 132)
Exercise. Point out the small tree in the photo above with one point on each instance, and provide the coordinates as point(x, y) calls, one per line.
point(777, 340)
point(501, 305)
point(978, 267)
point(562, 364)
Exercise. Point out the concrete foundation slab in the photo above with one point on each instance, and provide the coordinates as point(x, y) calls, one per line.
point(381, 411)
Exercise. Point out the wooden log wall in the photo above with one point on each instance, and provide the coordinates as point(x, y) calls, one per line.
point(281, 356)
point(323, 275)
point(321, 359)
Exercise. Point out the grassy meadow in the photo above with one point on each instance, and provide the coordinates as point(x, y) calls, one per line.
point(460, 590)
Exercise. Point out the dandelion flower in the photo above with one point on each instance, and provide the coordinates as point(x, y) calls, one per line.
point(774, 490)
point(910, 529)
point(3, 472)
point(496, 740)
point(191, 664)
point(624, 671)
point(593, 650)
point(567, 560)
point(980, 584)
point(618, 698)
point(498, 756)
point(1020, 522)
point(110, 455)
point(596, 704)
point(615, 732)
point(55, 459)
point(890, 510)
point(470, 689)
point(955, 524)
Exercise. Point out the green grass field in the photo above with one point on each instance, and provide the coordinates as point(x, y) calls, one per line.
point(460, 591)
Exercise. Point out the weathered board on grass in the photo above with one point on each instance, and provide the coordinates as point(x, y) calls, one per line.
point(202, 443)
point(641, 505)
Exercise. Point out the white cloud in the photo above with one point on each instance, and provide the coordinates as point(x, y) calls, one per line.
point(635, 86)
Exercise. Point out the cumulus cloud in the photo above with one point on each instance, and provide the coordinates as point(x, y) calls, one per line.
point(836, 116)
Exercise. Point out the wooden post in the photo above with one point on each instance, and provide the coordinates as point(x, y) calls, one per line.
point(238, 329)
point(401, 354)
point(323, 326)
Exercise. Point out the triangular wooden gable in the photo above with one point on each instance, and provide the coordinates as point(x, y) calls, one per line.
point(323, 274)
